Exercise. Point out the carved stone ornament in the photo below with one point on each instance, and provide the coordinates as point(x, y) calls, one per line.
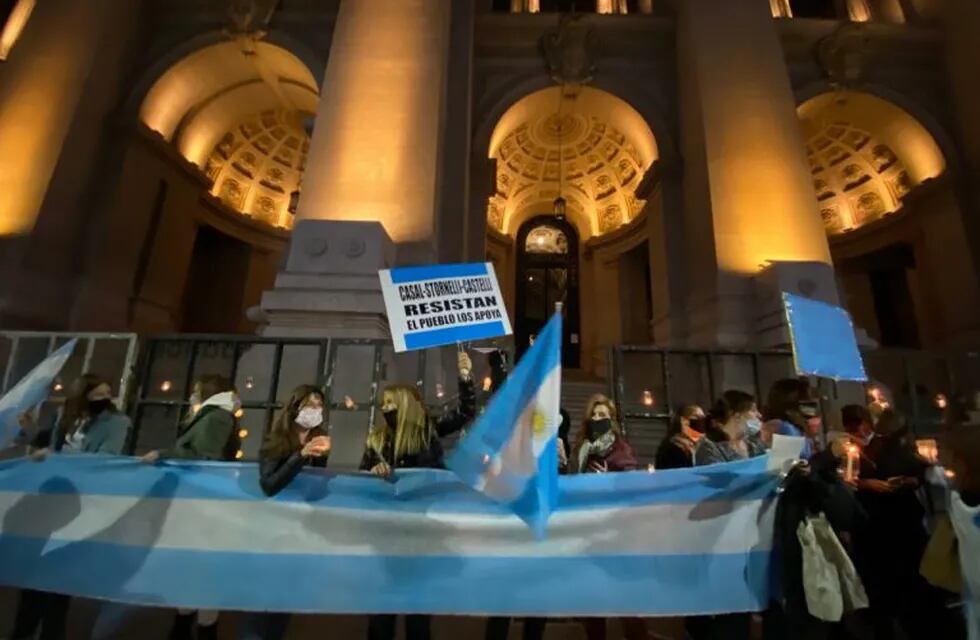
point(842, 54)
point(355, 248)
point(807, 287)
point(315, 247)
point(570, 51)
point(248, 22)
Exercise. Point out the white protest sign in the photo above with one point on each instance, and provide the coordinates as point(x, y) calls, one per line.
point(435, 305)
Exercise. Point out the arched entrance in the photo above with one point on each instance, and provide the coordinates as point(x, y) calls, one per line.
point(547, 273)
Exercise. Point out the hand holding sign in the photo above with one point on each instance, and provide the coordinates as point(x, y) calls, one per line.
point(464, 364)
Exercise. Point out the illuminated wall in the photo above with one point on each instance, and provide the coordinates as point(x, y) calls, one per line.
point(40, 87)
point(375, 145)
point(866, 155)
point(241, 120)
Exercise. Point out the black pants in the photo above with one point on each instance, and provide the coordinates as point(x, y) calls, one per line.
point(499, 628)
point(49, 610)
point(383, 627)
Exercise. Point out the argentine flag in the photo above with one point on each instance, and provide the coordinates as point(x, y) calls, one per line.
point(511, 452)
point(32, 390)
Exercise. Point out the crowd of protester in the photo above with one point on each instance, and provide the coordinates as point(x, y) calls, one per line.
point(876, 508)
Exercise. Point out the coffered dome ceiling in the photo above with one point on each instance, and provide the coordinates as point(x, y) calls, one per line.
point(598, 145)
point(240, 117)
point(866, 155)
point(257, 165)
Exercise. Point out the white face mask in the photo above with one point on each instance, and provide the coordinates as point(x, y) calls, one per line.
point(753, 426)
point(310, 417)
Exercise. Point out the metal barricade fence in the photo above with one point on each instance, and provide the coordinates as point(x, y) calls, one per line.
point(649, 384)
point(112, 355)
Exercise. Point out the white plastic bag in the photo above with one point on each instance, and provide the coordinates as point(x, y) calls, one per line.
point(851, 588)
point(830, 581)
point(821, 583)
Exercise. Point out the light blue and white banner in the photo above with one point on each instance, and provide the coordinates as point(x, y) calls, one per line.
point(510, 454)
point(202, 535)
point(435, 305)
point(30, 391)
point(966, 523)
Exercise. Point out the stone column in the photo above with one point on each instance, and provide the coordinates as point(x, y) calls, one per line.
point(371, 177)
point(962, 24)
point(749, 203)
point(58, 88)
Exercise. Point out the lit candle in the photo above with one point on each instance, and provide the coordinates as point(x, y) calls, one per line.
point(852, 468)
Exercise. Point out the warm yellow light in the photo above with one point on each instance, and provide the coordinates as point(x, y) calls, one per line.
point(239, 455)
point(941, 401)
point(375, 146)
point(858, 10)
point(648, 399)
point(39, 93)
point(15, 25)
point(240, 413)
point(487, 383)
point(243, 433)
point(165, 386)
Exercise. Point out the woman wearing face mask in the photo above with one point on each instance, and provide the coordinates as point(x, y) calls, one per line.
point(599, 445)
point(208, 433)
point(296, 439)
point(88, 423)
point(677, 449)
point(408, 439)
point(735, 433)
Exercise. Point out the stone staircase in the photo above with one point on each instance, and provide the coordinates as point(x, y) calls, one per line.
point(575, 393)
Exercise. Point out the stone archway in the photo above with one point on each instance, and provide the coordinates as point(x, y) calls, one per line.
point(592, 149)
point(893, 217)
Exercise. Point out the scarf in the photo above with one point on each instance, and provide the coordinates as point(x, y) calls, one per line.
point(600, 447)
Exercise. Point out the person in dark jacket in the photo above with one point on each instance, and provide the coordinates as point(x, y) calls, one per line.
point(600, 445)
point(891, 473)
point(409, 438)
point(677, 449)
point(295, 440)
point(208, 433)
point(817, 488)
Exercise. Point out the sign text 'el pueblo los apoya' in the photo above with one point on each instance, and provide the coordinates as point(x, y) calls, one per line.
point(434, 305)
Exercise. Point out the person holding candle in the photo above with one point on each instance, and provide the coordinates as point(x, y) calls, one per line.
point(896, 536)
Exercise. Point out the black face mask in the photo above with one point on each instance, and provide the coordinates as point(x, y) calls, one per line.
point(95, 407)
point(698, 424)
point(599, 428)
point(391, 418)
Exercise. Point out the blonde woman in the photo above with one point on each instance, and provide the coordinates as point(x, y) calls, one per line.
point(600, 445)
point(409, 438)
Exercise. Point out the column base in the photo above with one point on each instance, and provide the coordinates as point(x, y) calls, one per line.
point(747, 312)
point(330, 285)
